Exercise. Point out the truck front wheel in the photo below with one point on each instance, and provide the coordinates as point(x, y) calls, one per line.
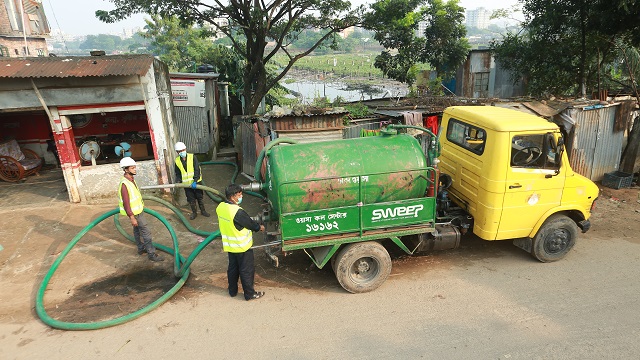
point(555, 238)
point(362, 267)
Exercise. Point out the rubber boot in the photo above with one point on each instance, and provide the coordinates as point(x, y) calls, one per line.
point(202, 210)
point(194, 211)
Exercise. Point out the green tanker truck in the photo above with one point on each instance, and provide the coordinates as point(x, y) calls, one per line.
point(337, 200)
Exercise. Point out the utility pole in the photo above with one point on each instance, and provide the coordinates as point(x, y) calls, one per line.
point(24, 29)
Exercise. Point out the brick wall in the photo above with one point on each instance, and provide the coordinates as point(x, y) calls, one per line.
point(17, 43)
point(5, 26)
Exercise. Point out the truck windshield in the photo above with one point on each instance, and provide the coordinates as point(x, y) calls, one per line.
point(534, 151)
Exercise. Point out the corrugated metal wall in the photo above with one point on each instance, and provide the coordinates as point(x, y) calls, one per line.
point(249, 147)
point(353, 131)
point(595, 148)
point(312, 136)
point(500, 83)
point(194, 128)
point(320, 121)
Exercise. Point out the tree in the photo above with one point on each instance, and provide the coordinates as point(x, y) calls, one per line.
point(275, 23)
point(563, 44)
point(442, 44)
point(182, 48)
point(108, 43)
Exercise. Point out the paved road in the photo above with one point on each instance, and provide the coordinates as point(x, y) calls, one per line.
point(486, 300)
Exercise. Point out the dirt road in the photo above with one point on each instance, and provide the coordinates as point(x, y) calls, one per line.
point(486, 300)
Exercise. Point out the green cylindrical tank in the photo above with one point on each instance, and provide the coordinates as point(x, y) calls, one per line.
point(330, 174)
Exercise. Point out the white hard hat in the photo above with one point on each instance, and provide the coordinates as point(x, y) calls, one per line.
point(126, 162)
point(180, 146)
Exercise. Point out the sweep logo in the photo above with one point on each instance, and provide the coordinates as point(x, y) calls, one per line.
point(397, 212)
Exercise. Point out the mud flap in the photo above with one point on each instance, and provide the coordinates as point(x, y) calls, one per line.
point(525, 244)
point(584, 225)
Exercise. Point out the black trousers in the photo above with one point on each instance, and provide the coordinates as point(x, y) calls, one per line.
point(241, 266)
point(193, 194)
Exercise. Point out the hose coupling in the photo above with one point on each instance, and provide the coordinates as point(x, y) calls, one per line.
point(254, 186)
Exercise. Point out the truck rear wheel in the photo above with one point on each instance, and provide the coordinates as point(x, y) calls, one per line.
point(555, 238)
point(362, 267)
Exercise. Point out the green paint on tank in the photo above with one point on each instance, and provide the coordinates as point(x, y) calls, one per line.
point(339, 173)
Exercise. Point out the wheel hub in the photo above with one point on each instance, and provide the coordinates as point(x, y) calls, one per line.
point(556, 242)
point(363, 266)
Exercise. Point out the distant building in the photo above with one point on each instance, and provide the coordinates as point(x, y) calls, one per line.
point(422, 26)
point(478, 18)
point(221, 22)
point(16, 23)
point(128, 33)
point(480, 76)
point(346, 32)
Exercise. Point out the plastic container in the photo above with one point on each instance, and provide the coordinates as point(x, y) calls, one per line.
point(617, 180)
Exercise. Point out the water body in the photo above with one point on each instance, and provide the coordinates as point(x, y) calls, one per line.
point(307, 90)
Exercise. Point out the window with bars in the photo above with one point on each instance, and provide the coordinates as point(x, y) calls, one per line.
point(4, 51)
point(481, 84)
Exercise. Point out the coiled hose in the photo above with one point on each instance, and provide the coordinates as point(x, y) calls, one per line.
point(180, 267)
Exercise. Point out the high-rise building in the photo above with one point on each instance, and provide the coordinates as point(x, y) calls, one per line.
point(478, 18)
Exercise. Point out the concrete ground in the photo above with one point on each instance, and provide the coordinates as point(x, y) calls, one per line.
point(485, 300)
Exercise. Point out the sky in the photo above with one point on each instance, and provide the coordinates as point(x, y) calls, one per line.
point(77, 17)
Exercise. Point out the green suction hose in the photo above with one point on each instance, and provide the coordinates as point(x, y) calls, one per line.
point(181, 266)
point(40, 310)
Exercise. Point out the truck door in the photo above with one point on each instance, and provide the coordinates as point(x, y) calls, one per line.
point(534, 183)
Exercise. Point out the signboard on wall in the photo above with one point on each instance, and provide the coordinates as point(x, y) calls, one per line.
point(188, 92)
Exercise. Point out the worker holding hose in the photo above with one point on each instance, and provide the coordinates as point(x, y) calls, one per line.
point(188, 172)
point(236, 229)
point(132, 206)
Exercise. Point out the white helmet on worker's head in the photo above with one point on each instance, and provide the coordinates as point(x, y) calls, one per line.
point(126, 162)
point(180, 146)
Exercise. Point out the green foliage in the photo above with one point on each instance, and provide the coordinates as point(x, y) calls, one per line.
point(358, 65)
point(444, 35)
point(181, 47)
point(358, 110)
point(281, 97)
point(564, 44)
point(320, 102)
point(442, 45)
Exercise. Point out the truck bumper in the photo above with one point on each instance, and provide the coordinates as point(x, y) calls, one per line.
point(584, 225)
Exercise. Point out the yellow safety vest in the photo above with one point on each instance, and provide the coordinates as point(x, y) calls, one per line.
point(135, 198)
point(187, 175)
point(233, 240)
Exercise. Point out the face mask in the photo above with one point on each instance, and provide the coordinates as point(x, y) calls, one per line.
point(239, 200)
point(183, 154)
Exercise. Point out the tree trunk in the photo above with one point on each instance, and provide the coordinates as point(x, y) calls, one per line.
point(630, 153)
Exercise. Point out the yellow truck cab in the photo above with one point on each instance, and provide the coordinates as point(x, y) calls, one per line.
point(510, 172)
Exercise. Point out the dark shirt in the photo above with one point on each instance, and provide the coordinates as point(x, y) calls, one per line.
point(196, 169)
point(125, 196)
point(242, 220)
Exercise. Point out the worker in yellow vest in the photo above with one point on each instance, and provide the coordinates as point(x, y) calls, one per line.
point(132, 206)
point(188, 172)
point(236, 229)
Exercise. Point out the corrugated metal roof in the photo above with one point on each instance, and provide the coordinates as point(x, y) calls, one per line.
point(75, 66)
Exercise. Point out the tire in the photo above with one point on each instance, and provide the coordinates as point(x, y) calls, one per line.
point(362, 267)
point(333, 260)
point(555, 239)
